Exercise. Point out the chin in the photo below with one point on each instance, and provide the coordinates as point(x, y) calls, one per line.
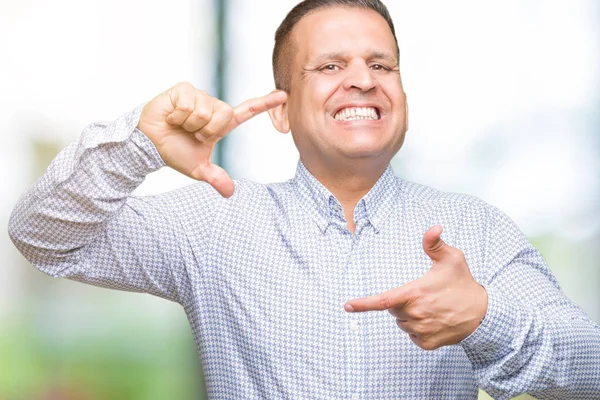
point(364, 151)
point(371, 150)
point(363, 145)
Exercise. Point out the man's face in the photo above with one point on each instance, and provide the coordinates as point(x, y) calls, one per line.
point(346, 100)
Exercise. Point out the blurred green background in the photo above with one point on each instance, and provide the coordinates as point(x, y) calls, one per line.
point(510, 115)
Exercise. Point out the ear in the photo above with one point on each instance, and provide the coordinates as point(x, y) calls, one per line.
point(279, 118)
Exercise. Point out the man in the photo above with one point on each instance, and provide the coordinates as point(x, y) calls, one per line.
point(275, 278)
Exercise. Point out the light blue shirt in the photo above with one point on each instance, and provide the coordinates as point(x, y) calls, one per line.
point(263, 277)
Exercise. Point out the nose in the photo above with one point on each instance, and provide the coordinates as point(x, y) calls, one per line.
point(359, 76)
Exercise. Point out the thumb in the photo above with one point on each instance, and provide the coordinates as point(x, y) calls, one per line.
point(433, 244)
point(218, 178)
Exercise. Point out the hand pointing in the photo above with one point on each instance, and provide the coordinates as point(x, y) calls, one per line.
point(185, 123)
point(442, 307)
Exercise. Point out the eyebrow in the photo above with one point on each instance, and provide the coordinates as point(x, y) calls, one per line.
point(373, 55)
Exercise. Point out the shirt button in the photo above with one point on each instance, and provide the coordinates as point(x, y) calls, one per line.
point(355, 396)
point(354, 327)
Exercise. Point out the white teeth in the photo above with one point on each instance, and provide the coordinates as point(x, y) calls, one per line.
point(356, 113)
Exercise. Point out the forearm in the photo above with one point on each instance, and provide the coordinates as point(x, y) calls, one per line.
point(86, 186)
point(550, 351)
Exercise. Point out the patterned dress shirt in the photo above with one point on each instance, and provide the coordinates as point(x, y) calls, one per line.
point(263, 277)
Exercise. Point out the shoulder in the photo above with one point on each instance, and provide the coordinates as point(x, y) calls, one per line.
point(455, 211)
point(462, 214)
point(427, 198)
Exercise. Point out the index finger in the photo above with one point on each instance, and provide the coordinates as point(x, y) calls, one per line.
point(379, 302)
point(253, 107)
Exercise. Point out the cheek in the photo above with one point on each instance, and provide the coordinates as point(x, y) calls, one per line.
point(393, 90)
point(318, 90)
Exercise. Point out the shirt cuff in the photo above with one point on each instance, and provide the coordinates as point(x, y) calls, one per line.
point(123, 128)
point(154, 160)
point(495, 337)
point(129, 154)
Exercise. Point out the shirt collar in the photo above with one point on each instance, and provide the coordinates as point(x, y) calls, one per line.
point(320, 203)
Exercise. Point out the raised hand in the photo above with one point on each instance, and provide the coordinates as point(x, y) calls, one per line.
point(185, 123)
point(442, 307)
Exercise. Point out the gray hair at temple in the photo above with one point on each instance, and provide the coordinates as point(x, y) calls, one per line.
point(284, 49)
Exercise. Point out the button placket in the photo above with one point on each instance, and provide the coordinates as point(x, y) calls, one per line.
point(354, 340)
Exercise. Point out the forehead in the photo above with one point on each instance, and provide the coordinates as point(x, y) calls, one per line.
point(342, 30)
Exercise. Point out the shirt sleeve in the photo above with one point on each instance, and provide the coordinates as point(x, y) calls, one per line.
point(533, 338)
point(79, 220)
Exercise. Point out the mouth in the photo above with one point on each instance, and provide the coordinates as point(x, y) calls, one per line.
point(353, 113)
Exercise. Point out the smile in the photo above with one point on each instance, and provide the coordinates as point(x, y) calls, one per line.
point(357, 113)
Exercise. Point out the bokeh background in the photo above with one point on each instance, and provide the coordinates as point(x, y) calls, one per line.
point(504, 105)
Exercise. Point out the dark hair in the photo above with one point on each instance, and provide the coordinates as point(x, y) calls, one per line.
point(283, 50)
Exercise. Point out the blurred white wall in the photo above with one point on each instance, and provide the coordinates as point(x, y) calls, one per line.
point(502, 99)
point(68, 63)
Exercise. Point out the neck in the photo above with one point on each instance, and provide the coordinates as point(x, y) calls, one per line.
point(348, 185)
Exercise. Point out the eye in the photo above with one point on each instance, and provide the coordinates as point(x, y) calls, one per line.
point(379, 67)
point(330, 68)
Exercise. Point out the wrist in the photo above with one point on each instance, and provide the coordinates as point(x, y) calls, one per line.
point(478, 310)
